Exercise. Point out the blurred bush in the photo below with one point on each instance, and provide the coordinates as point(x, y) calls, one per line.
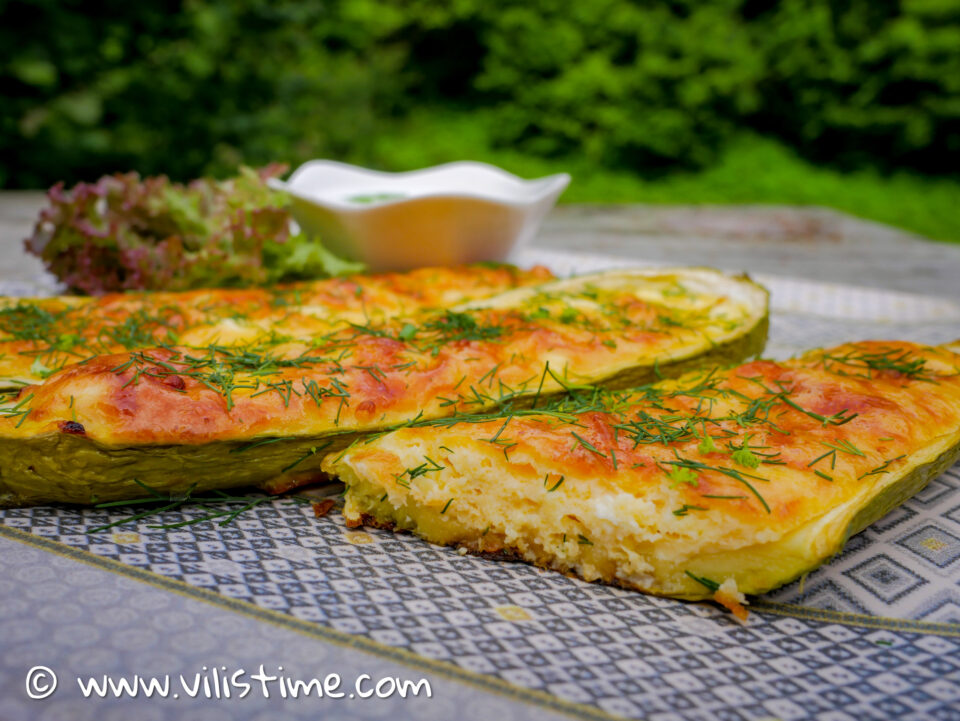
point(637, 85)
point(864, 81)
point(199, 86)
point(184, 88)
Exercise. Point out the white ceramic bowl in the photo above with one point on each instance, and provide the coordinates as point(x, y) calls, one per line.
point(449, 214)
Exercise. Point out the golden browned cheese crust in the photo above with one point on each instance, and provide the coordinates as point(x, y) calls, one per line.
point(374, 375)
point(38, 336)
point(755, 474)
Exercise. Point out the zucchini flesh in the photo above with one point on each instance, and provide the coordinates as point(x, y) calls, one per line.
point(741, 479)
point(179, 418)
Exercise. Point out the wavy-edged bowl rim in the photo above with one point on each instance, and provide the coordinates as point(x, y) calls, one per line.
point(552, 185)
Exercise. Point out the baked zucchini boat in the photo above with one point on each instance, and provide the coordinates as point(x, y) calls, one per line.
point(41, 335)
point(735, 481)
point(175, 419)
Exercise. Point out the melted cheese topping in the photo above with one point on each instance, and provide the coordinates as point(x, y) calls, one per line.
point(527, 342)
point(38, 336)
point(640, 487)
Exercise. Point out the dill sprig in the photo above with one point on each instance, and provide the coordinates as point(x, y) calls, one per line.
point(219, 506)
point(883, 467)
point(708, 583)
point(30, 322)
point(860, 362)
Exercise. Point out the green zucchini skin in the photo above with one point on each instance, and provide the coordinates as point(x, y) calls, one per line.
point(732, 352)
point(66, 468)
point(760, 579)
point(898, 492)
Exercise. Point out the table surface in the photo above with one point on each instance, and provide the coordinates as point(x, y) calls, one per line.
point(813, 243)
point(875, 635)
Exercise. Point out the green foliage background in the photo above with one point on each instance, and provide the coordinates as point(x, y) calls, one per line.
point(643, 95)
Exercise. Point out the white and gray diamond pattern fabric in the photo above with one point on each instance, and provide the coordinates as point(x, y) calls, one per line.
point(874, 634)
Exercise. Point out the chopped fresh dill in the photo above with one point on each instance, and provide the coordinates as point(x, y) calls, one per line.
point(709, 584)
point(555, 486)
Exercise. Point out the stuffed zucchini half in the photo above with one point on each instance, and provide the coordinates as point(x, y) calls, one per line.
point(180, 418)
point(720, 482)
point(41, 335)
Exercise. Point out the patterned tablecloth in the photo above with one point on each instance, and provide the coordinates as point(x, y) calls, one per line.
point(875, 634)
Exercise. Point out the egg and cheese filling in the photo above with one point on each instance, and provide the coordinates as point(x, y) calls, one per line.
point(748, 476)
